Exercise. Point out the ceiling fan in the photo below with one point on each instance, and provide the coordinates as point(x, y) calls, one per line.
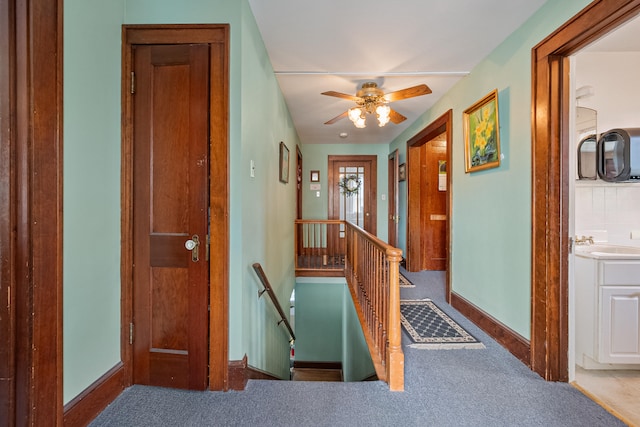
point(372, 100)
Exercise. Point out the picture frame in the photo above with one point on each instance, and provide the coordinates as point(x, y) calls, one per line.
point(482, 134)
point(284, 163)
point(315, 176)
point(402, 172)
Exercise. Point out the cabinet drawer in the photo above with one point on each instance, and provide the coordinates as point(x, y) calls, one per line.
point(619, 273)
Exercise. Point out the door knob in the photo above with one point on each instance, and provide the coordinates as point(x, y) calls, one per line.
point(192, 245)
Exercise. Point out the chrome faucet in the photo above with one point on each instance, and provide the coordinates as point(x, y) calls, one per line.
point(584, 240)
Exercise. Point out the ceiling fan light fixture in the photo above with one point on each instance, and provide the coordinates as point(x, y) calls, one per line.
point(382, 112)
point(356, 115)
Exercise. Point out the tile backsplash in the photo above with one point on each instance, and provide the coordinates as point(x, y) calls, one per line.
point(608, 211)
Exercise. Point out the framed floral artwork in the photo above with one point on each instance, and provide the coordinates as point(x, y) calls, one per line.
point(482, 134)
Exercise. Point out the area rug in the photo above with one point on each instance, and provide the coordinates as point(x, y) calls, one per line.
point(405, 283)
point(430, 328)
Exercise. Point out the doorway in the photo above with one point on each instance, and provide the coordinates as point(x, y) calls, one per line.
point(429, 197)
point(551, 144)
point(357, 206)
point(175, 205)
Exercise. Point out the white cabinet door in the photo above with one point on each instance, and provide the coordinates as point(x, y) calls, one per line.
point(620, 324)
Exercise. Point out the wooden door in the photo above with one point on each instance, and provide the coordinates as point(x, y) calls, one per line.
point(359, 207)
point(434, 204)
point(393, 199)
point(170, 186)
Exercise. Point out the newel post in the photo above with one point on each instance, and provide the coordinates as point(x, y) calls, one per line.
point(395, 356)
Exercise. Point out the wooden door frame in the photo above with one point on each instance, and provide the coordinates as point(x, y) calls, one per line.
point(550, 179)
point(393, 191)
point(217, 36)
point(374, 184)
point(299, 182)
point(31, 211)
point(442, 124)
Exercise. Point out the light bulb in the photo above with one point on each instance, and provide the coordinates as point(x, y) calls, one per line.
point(383, 114)
point(360, 122)
point(354, 114)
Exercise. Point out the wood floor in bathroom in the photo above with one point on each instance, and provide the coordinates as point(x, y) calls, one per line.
point(618, 391)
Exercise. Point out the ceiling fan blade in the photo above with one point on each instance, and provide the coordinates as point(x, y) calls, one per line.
point(341, 95)
point(336, 118)
point(409, 92)
point(396, 117)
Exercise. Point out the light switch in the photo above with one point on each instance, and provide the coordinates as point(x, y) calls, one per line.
point(252, 171)
point(383, 197)
point(317, 194)
point(635, 234)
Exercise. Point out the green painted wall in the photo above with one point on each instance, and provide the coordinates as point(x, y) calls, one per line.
point(318, 315)
point(356, 359)
point(262, 209)
point(91, 239)
point(491, 209)
point(327, 327)
point(316, 157)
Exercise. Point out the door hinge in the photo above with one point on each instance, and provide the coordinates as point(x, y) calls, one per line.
point(206, 249)
point(133, 82)
point(130, 333)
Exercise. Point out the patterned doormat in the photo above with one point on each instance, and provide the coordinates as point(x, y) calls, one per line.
point(405, 283)
point(430, 328)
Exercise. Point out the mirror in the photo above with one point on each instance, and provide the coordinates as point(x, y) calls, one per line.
point(587, 137)
point(587, 158)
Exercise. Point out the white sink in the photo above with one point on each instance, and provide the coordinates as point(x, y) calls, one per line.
point(608, 251)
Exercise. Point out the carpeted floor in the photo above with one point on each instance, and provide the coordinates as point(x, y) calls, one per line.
point(442, 388)
point(406, 283)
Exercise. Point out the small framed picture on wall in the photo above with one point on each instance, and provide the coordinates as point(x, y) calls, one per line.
point(315, 176)
point(402, 172)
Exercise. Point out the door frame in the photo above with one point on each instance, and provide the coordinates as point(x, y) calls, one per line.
point(393, 191)
point(550, 101)
point(31, 211)
point(217, 36)
point(442, 124)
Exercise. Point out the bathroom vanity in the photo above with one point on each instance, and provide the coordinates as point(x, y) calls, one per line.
point(607, 289)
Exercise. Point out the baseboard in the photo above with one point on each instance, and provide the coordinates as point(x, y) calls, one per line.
point(509, 339)
point(240, 372)
point(317, 365)
point(80, 411)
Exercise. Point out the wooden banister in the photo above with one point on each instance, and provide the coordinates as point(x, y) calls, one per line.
point(372, 270)
point(274, 299)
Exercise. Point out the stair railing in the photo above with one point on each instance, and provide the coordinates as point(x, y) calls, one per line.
point(274, 299)
point(373, 276)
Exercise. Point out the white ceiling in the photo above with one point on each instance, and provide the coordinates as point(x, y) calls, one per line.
point(318, 46)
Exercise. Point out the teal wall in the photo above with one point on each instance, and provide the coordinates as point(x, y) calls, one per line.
point(91, 239)
point(318, 309)
point(491, 209)
point(328, 329)
point(316, 157)
point(262, 209)
point(356, 359)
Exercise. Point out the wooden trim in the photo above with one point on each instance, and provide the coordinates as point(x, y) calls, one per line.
point(316, 365)
point(444, 123)
point(509, 339)
point(217, 36)
point(35, 194)
point(94, 399)
point(240, 372)
point(550, 178)
point(7, 213)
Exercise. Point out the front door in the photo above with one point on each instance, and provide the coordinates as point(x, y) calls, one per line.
point(170, 187)
point(357, 206)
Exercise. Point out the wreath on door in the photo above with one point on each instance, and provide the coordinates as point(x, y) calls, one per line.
point(349, 185)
